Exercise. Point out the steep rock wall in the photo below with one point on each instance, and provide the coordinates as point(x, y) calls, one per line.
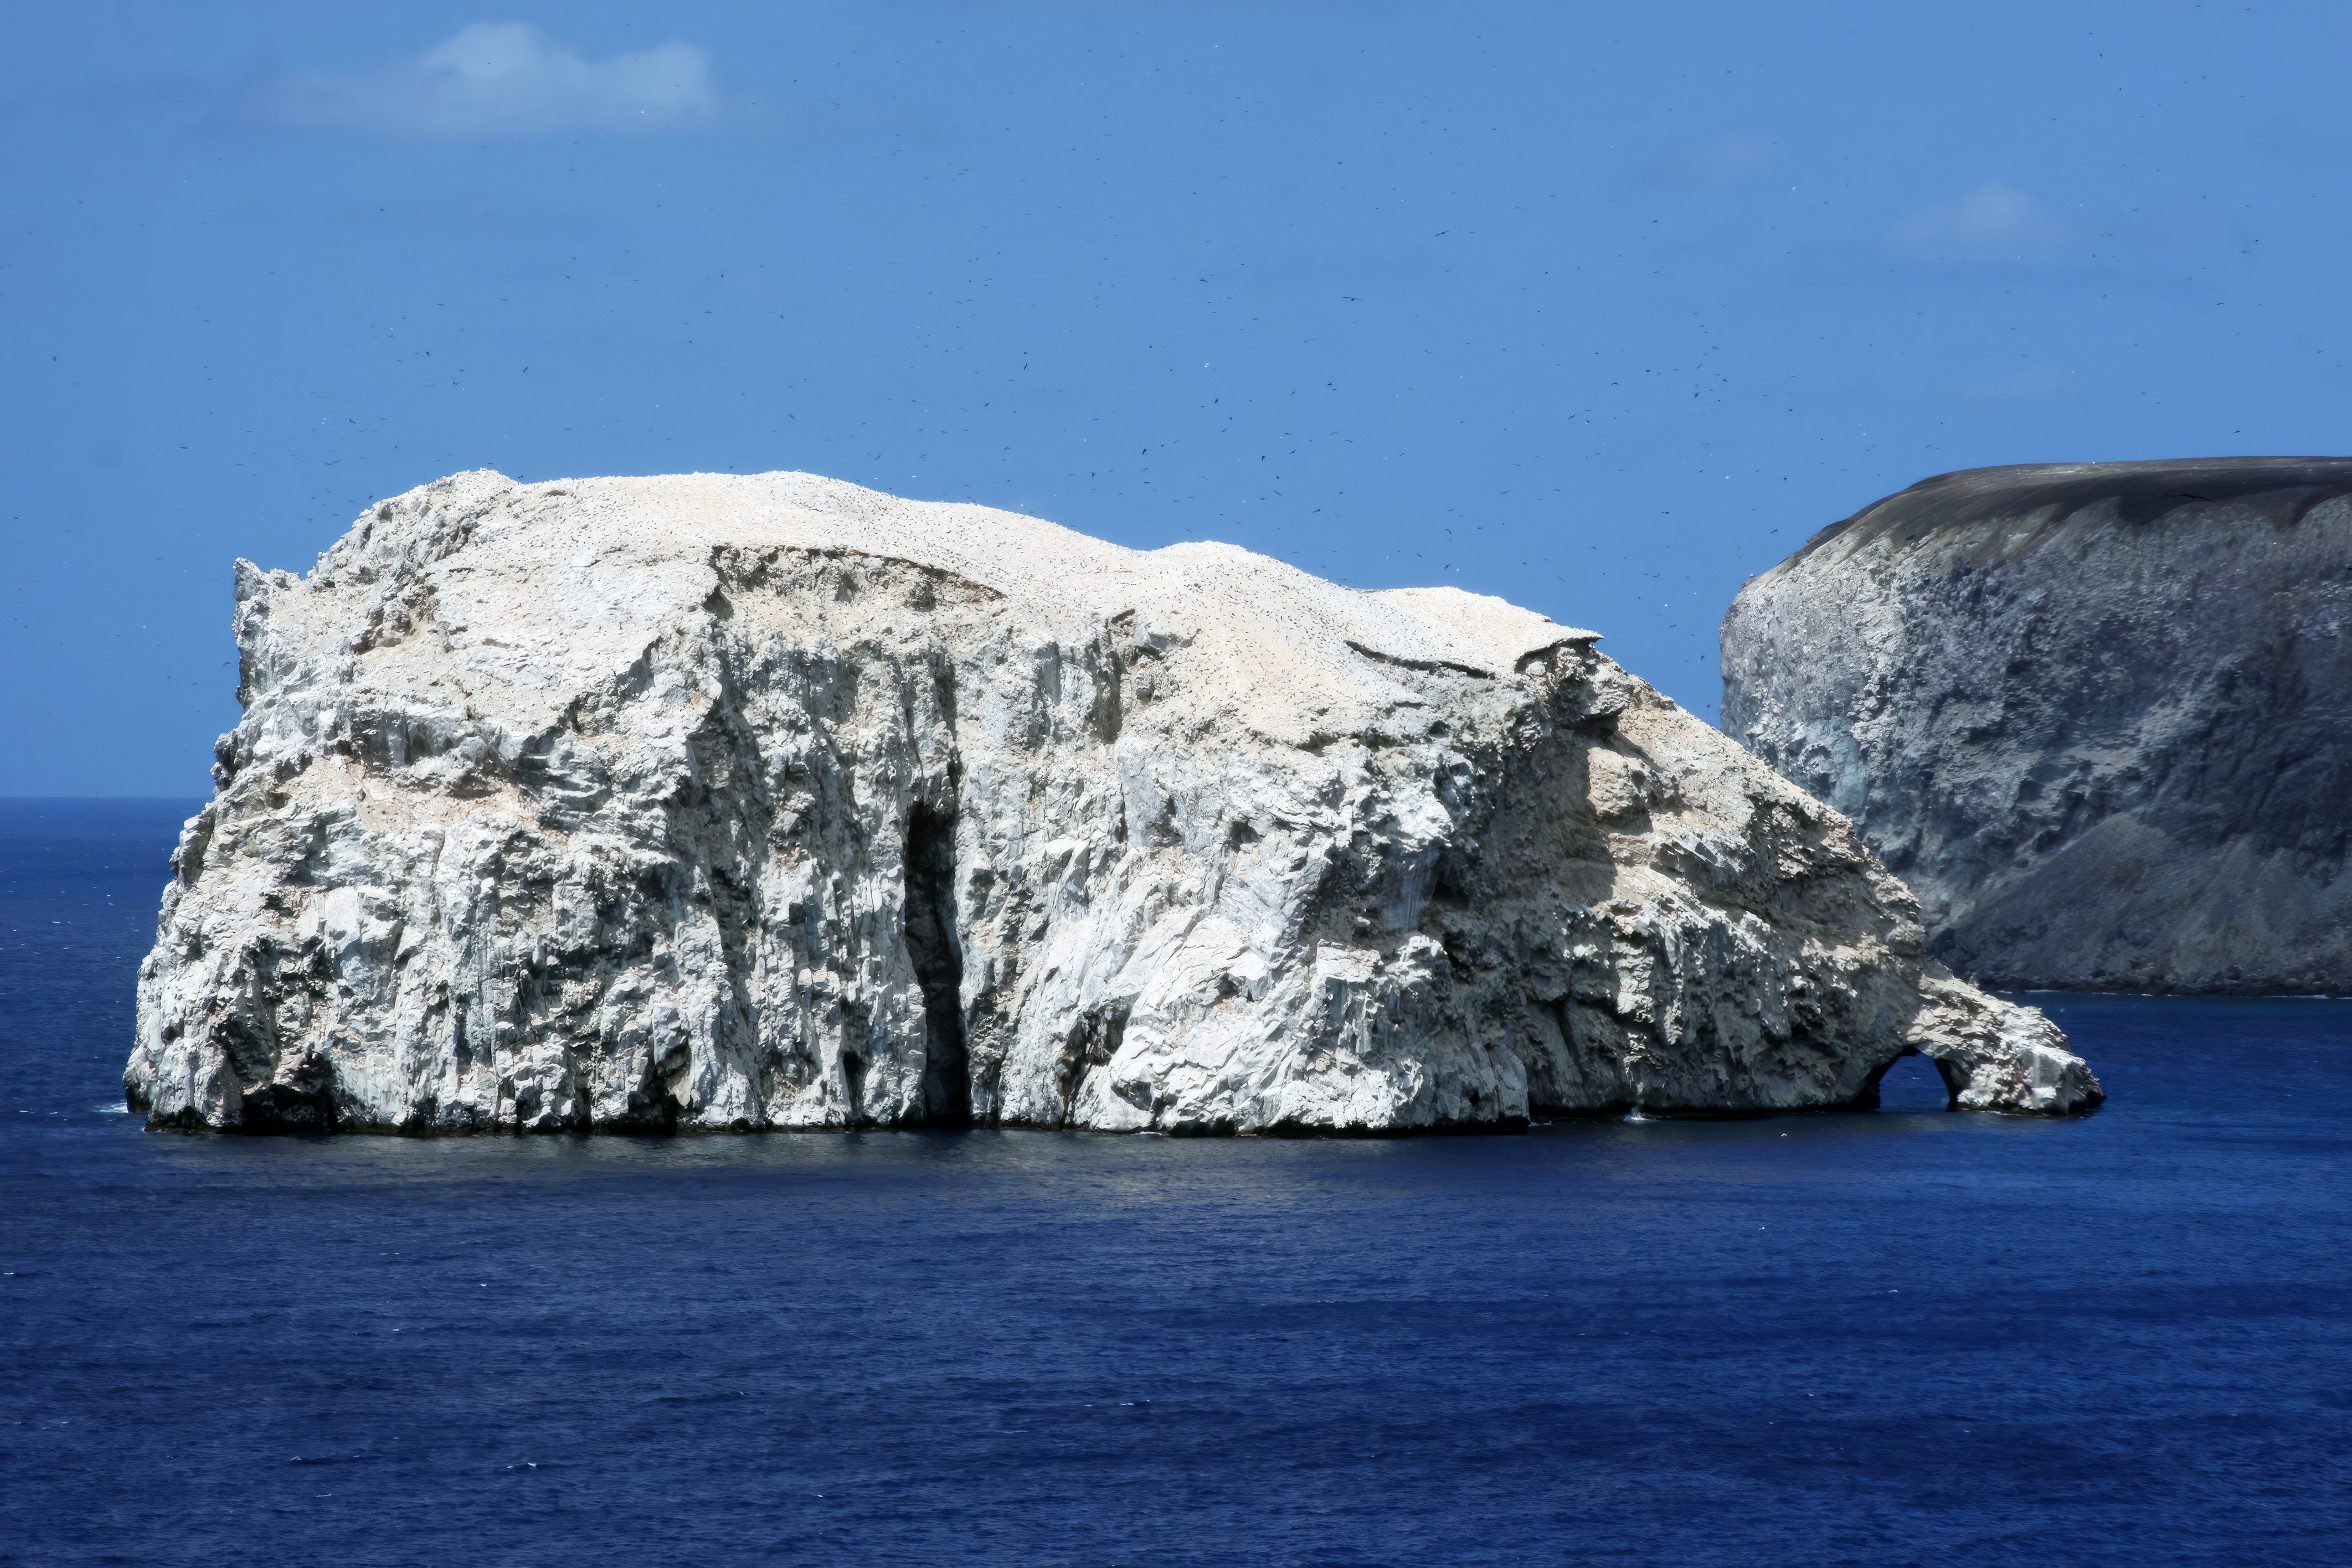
point(762, 803)
point(2098, 715)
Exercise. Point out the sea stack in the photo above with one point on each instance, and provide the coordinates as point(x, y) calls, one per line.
point(717, 802)
point(2098, 715)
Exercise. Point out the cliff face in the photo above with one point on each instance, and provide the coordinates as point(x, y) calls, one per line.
point(775, 803)
point(2099, 717)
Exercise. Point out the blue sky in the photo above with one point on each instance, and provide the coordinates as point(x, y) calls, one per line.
point(1602, 308)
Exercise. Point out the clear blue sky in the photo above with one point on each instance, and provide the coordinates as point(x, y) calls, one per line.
point(1602, 308)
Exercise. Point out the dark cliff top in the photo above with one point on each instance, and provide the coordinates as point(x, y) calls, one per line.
point(2280, 489)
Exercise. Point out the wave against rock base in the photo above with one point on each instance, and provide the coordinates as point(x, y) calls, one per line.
point(771, 802)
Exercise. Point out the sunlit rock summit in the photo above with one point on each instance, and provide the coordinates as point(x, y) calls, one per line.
point(772, 803)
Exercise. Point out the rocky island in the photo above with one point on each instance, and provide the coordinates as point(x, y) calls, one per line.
point(2098, 715)
point(722, 802)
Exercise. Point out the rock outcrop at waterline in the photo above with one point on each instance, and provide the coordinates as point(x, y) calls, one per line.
point(2098, 715)
point(771, 802)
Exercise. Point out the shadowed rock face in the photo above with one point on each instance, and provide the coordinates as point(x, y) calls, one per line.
point(2098, 715)
point(767, 802)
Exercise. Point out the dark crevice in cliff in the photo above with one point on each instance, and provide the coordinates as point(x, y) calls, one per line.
point(938, 959)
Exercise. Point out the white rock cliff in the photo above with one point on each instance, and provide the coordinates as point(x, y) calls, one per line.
point(768, 802)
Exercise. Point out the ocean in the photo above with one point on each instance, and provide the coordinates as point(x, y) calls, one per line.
point(1902, 1336)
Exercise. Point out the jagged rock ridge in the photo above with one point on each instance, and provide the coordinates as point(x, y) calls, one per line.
point(2096, 714)
point(762, 803)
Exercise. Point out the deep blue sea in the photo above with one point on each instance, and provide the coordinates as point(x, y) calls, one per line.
point(1897, 1337)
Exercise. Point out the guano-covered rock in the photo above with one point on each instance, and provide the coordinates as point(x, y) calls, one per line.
point(771, 802)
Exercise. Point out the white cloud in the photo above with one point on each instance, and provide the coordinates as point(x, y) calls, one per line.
point(506, 79)
point(1995, 222)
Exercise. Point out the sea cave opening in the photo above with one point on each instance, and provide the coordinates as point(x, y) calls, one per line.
point(938, 958)
point(1913, 1082)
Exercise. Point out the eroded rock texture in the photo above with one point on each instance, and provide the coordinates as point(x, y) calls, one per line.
point(774, 802)
point(2098, 715)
